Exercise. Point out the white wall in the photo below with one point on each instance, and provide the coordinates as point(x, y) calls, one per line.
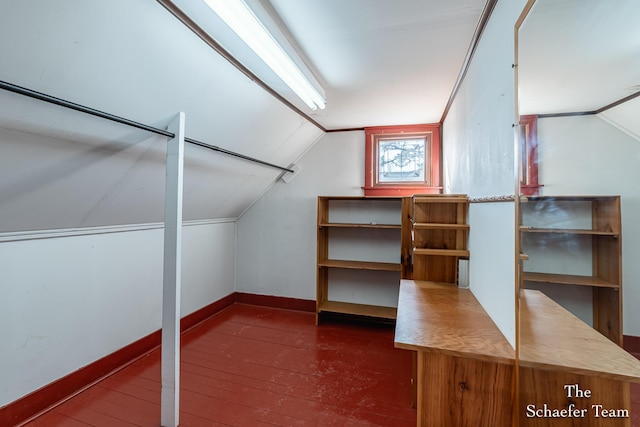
point(68, 301)
point(277, 235)
point(478, 154)
point(586, 155)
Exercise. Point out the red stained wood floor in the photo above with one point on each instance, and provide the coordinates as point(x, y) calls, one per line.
point(256, 366)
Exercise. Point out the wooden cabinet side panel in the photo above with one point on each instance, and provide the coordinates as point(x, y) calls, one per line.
point(538, 387)
point(607, 313)
point(322, 250)
point(406, 249)
point(461, 392)
point(606, 215)
point(607, 254)
point(461, 235)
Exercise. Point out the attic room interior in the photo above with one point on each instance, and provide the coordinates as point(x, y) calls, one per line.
point(409, 212)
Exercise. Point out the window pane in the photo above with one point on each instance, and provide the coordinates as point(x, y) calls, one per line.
point(401, 160)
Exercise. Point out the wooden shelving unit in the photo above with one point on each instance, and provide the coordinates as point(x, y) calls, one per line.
point(577, 230)
point(351, 231)
point(439, 236)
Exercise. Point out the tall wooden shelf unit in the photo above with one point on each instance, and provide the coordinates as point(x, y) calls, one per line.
point(439, 236)
point(577, 231)
point(362, 223)
point(386, 239)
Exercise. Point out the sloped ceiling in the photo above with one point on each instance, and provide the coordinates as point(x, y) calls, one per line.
point(383, 62)
point(579, 56)
point(380, 63)
point(66, 169)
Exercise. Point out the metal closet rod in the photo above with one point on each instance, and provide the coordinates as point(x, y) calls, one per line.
point(84, 109)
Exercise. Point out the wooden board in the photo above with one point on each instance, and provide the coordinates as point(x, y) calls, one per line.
point(463, 392)
point(359, 265)
point(567, 279)
point(553, 339)
point(442, 318)
point(358, 309)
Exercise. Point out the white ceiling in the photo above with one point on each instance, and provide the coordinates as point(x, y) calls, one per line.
point(578, 55)
point(383, 62)
point(379, 62)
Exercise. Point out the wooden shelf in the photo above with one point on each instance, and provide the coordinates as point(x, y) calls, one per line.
point(526, 199)
point(463, 253)
point(358, 309)
point(355, 225)
point(441, 198)
point(593, 226)
point(439, 236)
point(438, 226)
point(360, 265)
point(526, 229)
point(568, 279)
point(353, 234)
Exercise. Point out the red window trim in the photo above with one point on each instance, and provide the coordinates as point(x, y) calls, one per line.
point(373, 188)
point(529, 184)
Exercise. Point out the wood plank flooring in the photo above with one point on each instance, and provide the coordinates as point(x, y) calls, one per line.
point(256, 366)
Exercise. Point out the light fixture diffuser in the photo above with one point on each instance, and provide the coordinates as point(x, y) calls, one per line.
point(237, 15)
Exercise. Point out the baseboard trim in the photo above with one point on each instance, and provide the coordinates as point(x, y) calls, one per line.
point(631, 343)
point(44, 398)
point(204, 313)
point(276, 302)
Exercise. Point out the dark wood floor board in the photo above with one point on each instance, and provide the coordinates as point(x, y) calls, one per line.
point(262, 333)
point(271, 354)
point(353, 389)
point(58, 420)
point(333, 364)
point(277, 319)
point(296, 359)
point(140, 388)
point(229, 380)
point(297, 407)
point(255, 366)
point(94, 416)
point(225, 409)
point(139, 409)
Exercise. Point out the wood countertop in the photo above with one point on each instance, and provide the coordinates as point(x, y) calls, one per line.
point(553, 339)
point(443, 318)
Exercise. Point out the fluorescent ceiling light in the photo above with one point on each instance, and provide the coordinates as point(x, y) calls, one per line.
point(237, 15)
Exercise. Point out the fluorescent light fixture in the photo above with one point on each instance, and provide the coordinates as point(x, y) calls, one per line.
point(237, 15)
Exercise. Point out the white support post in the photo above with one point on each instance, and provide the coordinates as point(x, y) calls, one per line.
point(170, 399)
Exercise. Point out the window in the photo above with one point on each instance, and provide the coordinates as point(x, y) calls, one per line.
point(402, 160)
point(529, 185)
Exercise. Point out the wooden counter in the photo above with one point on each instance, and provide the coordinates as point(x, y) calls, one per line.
point(551, 338)
point(465, 365)
point(558, 349)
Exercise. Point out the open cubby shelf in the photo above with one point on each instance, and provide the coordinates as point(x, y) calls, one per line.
point(591, 224)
